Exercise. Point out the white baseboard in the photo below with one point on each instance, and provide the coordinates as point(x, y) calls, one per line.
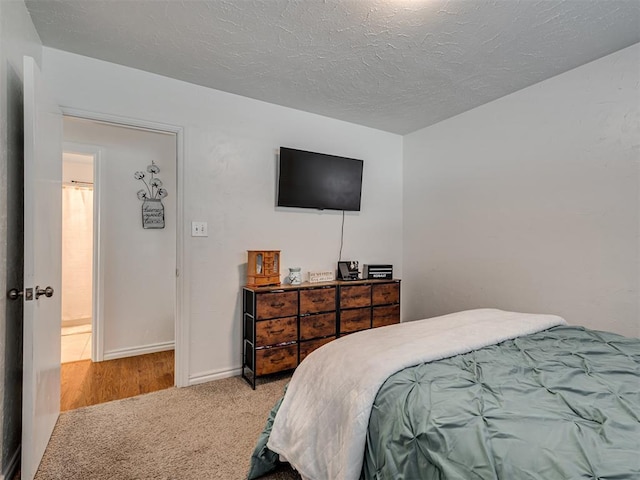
point(204, 377)
point(134, 351)
point(12, 467)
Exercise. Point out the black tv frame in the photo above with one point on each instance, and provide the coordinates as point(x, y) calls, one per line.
point(318, 181)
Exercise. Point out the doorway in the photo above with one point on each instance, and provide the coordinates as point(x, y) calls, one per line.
point(131, 291)
point(77, 256)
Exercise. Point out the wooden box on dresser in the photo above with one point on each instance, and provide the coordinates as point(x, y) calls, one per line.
point(284, 324)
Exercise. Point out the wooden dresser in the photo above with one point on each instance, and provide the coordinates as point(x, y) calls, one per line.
point(282, 325)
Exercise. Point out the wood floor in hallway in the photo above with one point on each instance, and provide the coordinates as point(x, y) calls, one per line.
point(86, 383)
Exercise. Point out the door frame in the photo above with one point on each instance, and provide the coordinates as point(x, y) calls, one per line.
point(97, 290)
point(181, 325)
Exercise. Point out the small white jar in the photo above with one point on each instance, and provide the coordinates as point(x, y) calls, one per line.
point(295, 275)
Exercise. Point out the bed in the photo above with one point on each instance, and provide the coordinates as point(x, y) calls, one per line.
point(481, 394)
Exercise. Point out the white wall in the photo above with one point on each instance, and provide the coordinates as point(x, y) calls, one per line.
point(77, 167)
point(139, 264)
point(18, 37)
point(530, 203)
point(230, 151)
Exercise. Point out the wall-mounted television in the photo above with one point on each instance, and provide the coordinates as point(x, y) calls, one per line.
point(319, 181)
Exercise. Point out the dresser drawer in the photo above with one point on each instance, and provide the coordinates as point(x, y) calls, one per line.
point(276, 304)
point(276, 359)
point(386, 315)
point(307, 347)
point(317, 300)
point(279, 330)
point(354, 320)
point(355, 296)
point(386, 293)
point(320, 325)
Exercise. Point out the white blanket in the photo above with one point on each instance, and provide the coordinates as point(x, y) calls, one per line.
point(322, 423)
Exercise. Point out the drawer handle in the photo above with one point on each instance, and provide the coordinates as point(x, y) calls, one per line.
point(277, 332)
point(317, 300)
point(277, 305)
point(277, 359)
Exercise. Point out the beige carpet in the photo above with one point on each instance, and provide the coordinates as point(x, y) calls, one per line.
point(196, 433)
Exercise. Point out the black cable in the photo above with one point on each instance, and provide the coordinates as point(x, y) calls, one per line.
point(341, 237)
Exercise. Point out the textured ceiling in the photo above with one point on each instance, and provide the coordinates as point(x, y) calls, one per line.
point(395, 65)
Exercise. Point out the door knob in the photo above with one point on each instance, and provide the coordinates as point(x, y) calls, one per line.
point(47, 292)
point(14, 294)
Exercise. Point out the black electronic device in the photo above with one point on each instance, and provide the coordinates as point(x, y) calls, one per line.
point(382, 272)
point(319, 181)
point(348, 270)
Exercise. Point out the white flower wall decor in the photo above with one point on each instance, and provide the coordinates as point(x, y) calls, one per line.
point(151, 196)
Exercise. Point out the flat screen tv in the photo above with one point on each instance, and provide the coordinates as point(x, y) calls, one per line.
point(319, 181)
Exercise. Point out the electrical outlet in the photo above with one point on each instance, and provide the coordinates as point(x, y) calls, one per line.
point(199, 229)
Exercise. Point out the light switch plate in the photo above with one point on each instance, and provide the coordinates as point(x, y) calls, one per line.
point(199, 229)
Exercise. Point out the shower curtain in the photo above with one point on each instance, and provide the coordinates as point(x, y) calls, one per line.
point(77, 254)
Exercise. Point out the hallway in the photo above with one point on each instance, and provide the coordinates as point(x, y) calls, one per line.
point(86, 383)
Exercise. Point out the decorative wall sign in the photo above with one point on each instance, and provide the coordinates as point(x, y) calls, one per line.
point(152, 208)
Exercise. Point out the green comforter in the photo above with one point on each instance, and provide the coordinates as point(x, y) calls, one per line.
point(559, 404)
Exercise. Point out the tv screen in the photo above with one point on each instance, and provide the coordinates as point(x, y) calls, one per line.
point(317, 180)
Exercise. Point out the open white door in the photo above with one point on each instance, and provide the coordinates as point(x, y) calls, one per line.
point(42, 268)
